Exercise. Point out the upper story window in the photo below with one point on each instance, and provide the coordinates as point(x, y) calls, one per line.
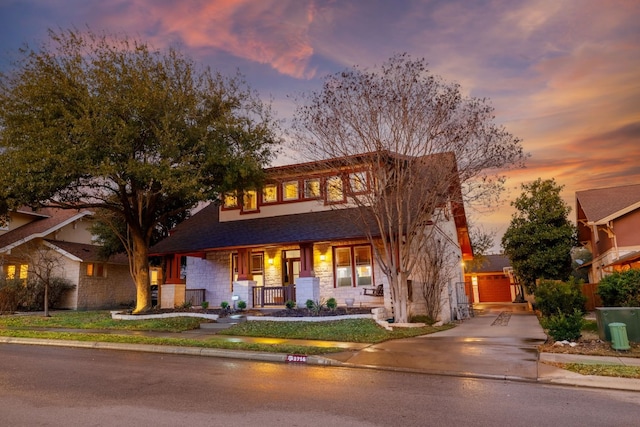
point(335, 190)
point(249, 200)
point(270, 193)
point(4, 222)
point(290, 190)
point(230, 201)
point(312, 188)
point(358, 182)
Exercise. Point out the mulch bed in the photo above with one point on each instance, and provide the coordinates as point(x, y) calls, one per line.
point(296, 312)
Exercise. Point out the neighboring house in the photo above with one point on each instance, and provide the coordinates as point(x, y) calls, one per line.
point(294, 239)
point(490, 281)
point(608, 222)
point(61, 238)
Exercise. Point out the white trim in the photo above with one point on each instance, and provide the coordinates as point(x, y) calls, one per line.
point(42, 235)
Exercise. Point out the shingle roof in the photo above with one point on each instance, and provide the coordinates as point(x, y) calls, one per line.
point(204, 231)
point(88, 253)
point(603, 202)
point(51, 219)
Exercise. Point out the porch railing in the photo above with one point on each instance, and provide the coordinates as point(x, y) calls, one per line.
point(265, 296)
point(194, 296)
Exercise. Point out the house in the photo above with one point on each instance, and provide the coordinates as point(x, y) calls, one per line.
point(490, 281)
point(608, 221)
point(297, 238)
point(61, 239)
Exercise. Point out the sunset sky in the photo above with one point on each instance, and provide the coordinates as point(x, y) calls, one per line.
point(562, 75)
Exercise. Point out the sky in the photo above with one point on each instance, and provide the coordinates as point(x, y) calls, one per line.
point(564, 76)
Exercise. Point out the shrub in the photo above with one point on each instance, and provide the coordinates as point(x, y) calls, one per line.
point(224, 305)
point(184, 305)
point(290, 304)
point(563, 326)
point(309, 304)
point(32, 293)
point(205, 304)
point(620, 289)
point(241, 305)
point(332, 304)
point(422, 318)
point(10, 294)
point(555, 296)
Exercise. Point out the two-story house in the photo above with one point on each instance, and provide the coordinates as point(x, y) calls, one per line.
point(296, 238)
point(608, 221)
point(61, 240)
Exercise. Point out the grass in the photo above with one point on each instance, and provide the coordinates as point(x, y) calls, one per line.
point(352, 330)
point(619, 371)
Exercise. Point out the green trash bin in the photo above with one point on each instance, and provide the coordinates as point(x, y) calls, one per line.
point(619, 340)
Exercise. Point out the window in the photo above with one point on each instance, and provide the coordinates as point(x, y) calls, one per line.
point(4, 222)
point(230, 201)
point(358, 182)
point(249, 200)
point(21, 270)
point(353, 266)
point(257, 268)
point(290, 190)
point(96, 270)
point(334, 189)
point(312, 188)
point(270, 193)
point(343, 267)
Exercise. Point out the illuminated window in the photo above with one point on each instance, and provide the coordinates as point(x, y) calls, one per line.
point(230, 200)
point(290, 190)
point(96, 270)
point(11, 272)
point(270, 193)
point(4, 222)
point(312, 188)
point(250, 200)
point(24, 271)
point(353, 266)
point(358, 182)
point(335, 191)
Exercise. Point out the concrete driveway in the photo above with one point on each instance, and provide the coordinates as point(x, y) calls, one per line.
point(499, 342)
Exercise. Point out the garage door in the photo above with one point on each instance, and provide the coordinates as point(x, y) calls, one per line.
point(494, 288)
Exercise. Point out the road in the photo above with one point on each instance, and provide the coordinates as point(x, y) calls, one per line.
point(51, 386)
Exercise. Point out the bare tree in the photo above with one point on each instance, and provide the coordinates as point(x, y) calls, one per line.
point(417, 146)
point(436, 264)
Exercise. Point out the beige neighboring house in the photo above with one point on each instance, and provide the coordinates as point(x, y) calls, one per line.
point(63, 238)
point(609, 226)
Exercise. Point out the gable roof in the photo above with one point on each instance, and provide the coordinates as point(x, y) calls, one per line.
point(48, 221)
point(204, 231)
point(83, 252)
point(604, 204)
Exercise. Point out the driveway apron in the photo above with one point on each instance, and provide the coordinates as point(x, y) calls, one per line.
point(499, 342)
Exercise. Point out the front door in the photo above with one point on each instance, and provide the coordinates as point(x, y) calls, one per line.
point(290, 267)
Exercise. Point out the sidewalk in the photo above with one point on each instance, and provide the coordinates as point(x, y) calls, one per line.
point(495, 344)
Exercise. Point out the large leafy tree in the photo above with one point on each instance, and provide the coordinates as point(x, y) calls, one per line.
point(105, 122)
point(420, 138)
point(540, 236)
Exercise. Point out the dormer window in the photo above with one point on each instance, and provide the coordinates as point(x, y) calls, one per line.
point(230, 201)
point(249, 200)
point(290, 190)
point(270, 193)
point(312, 188)
point(335, 191)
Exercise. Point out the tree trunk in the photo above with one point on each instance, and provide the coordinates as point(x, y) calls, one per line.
point(46, 298)
point(399, 297)
point(140, 274)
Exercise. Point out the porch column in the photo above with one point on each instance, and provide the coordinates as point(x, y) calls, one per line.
point(307, 288)
point(306, 260)
point(173, 265)
point(243, 290)
point(244, 264)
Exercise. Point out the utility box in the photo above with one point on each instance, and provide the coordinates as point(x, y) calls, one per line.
point(630, 316)
point(619, 340)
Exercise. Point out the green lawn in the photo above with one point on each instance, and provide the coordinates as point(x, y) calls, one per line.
point(353, 330)
point(602, 370)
